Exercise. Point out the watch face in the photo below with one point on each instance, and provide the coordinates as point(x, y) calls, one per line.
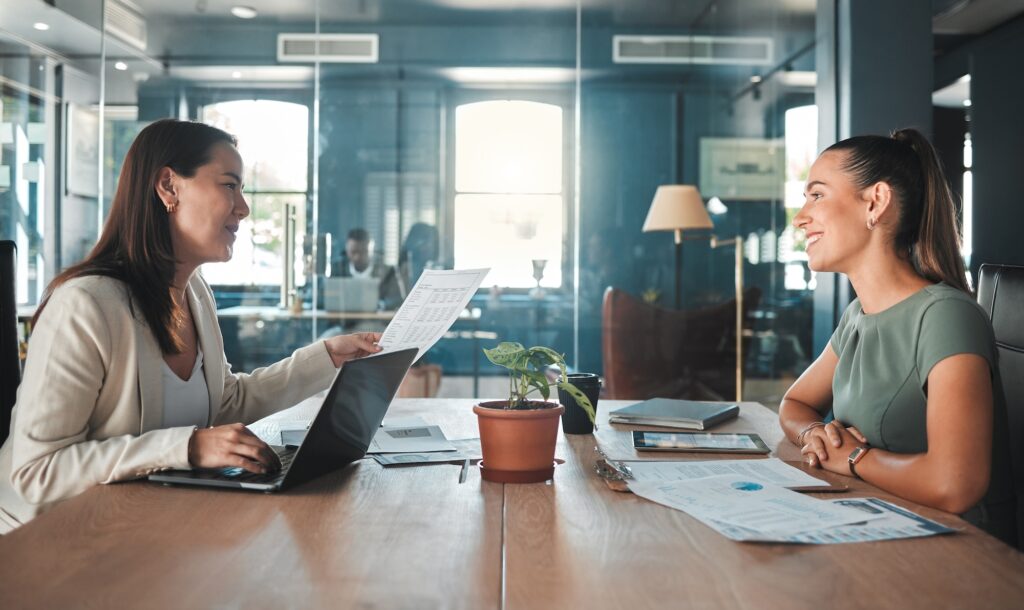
point(857, 454)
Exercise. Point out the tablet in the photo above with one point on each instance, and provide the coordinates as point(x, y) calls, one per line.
point(709, 442)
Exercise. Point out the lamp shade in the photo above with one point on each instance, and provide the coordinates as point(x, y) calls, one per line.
point(677, 207)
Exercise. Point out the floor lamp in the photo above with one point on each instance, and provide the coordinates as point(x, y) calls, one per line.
point(679, 208)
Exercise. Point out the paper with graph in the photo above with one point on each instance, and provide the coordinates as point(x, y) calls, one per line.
point(433, 305)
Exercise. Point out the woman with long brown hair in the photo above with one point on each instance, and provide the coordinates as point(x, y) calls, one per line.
point(126, 372)
point(910, 373)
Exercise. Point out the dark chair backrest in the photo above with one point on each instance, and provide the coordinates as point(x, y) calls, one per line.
point(650, 351)
point(10, 364)
point(1001, 294)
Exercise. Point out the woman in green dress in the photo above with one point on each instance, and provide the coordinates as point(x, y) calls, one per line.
point(910, 373)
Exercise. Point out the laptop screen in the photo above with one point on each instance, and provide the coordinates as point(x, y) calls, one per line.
point(351, 413)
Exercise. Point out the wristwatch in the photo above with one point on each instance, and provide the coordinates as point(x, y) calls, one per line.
point(855, 456)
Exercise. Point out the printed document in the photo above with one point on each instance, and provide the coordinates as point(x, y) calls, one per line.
point(466, 449)
point(766, 511)
point(418, 439)
point(892, 523)
point(771, 470)
point(431, 308)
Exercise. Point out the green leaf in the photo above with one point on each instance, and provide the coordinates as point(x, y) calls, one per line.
point(550, 355)
point(538, 380)
point(581, 400)
point(506, 354)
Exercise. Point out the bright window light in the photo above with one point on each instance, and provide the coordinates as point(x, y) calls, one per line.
point(508, 182)
point(508, 146)
point(272, 141)
point(505, 232)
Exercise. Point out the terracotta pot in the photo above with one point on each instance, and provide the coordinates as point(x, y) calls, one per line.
point(518, 444)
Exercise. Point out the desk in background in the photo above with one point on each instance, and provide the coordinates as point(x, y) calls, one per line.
point(412, 537)
point(256, 336)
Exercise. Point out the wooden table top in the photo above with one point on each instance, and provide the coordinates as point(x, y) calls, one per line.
point(413, 537)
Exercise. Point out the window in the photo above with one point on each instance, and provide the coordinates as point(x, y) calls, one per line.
point(272, 139)
point(509, 190)
point(801, 151)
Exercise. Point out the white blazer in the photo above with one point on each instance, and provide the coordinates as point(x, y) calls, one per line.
point(90, 403)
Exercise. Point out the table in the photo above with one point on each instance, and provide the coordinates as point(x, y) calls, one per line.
point(412, 537)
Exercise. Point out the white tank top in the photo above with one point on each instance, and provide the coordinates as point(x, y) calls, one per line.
point(186, 403)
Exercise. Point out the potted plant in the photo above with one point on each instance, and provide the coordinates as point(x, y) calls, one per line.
point(517, 436)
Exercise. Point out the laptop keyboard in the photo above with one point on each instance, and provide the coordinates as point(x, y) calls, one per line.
point(286, 455)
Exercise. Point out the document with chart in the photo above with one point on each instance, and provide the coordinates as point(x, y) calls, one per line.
point(431, 308)
point(742, 508)
point(746, 511)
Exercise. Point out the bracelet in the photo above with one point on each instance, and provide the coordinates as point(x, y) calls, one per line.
point(800, 437)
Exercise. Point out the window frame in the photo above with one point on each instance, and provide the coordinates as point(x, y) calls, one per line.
point(562, 96)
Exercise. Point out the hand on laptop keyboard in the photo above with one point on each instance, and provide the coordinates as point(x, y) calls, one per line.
point(231, 446)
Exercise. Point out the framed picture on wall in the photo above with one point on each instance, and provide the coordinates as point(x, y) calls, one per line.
point(83, 152)
point(742, 168)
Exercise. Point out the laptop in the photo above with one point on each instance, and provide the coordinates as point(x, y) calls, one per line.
point(351, 294)
point(340, 433)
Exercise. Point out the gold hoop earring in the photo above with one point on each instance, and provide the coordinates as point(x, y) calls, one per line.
point(871, 223)
point(172, 207)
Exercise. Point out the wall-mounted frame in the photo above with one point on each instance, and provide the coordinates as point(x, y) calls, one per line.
point(751, 169)
point(83, 155)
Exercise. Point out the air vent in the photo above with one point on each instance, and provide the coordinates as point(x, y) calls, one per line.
point(334, 48)
point(722, 50)
point(125, 21)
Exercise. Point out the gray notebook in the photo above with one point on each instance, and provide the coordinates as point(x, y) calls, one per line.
point(671, 413)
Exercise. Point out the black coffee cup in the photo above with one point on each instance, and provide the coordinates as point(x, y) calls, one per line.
point(575, 419)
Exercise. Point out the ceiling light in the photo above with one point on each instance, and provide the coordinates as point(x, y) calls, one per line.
point(42, 27)
point(244, 12)
point(120, 65)
point(236, 74)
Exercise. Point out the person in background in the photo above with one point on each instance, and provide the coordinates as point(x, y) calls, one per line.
point(126, 373)
point(357, 262)
point(910, 373)
point(421, 250)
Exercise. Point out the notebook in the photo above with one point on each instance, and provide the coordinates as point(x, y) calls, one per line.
point(671, 413)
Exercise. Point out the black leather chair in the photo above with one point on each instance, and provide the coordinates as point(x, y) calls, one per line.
point(10, 365)
point(1001, 294)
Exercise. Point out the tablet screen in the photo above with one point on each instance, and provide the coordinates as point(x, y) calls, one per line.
point(699, 441)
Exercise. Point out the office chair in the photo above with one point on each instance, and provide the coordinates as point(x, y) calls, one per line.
point(652, 352)
point(1001, 294)
point(10, 364)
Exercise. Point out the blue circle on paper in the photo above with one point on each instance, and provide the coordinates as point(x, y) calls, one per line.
point(747, 486)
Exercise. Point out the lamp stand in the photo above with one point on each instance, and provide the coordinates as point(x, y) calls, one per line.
point(679, 266)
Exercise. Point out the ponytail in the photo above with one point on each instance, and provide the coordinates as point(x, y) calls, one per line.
point(927, 231)
point(937, 251)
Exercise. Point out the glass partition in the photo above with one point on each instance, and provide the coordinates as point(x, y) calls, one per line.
point(699, 94)
point(49, 137)
point(382, 139)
